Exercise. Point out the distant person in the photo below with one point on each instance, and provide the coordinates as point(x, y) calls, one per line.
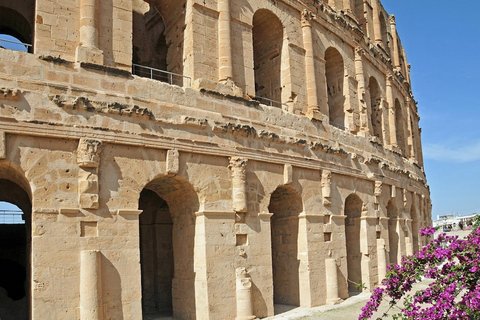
point(460, 225)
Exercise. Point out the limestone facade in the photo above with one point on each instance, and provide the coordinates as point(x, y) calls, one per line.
point(279, 162)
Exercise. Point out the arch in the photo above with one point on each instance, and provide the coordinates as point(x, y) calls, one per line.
point(267, 55)
point(383, 30)
point(335, 74)
point(167, 229)
point(158, 33)
point(399, 130)
point(375, 108)
point(15, 247)
point(353, 212)
point(285, 205)
point(393, 236)
point(15, 23)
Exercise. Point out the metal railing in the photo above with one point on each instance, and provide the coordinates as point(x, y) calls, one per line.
point(161, 75)
point(27, 48)
point(269, 102)
point(11, 217)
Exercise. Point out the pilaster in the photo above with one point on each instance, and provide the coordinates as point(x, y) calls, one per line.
point(87, 50)
point(225, 68)
point(313, 111)
point(362, 105)
point(376, 21)
point(391, 113)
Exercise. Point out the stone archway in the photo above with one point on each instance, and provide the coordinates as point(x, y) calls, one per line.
point(335, 75)
point(158, 40)
point(267, 52)
point(17, 20)
point(353, 212)
point(167, 230)
point(375, 109)
point(15, 253)
point(285, 205)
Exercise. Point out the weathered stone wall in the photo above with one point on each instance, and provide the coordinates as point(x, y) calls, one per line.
point(190, 197)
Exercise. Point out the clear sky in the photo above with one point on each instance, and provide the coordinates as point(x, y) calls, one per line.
point(442, 43)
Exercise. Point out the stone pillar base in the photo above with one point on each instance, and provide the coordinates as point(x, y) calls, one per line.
point(315, 115)
point(89, 55)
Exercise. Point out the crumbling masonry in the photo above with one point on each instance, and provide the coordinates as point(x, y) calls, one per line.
point(205, 159)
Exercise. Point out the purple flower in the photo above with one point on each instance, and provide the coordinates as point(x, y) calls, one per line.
point(455, 291)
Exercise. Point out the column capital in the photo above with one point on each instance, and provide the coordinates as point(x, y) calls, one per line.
point(391, 19)
point(307, 16)
point(88, 152)
point(238, 163)
point(359, 52)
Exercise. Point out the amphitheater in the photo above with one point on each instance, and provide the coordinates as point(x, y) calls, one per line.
point(203, 159)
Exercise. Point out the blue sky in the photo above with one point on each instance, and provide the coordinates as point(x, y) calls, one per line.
point(442, 43)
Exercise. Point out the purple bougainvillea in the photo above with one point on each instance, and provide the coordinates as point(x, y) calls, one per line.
point(452, 264)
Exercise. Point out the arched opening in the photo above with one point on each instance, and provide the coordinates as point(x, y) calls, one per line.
point(353, 212)
point(16, 25)
point(158, 41)
point(383, 30)
point(360, 14)
point(15, 244)
point(167, 229)
point(267, 55)
point(399, 131)
point(286, 205)
point(393, 236)
point(335, 74)
point(375, 107)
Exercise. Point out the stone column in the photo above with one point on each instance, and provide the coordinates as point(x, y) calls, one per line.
point(331, 273)
point(90, 286)
point(376, 22)
point(244, 295)
point(225, 68)
point(382, 259)
point(239, 186)
point(410, 140)
point(391, 113)
point(393, 30)
point(362, 106)
point(313, 111)
point(87, 50)
point(406, 64)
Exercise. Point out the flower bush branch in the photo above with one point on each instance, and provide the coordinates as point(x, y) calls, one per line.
point(452, 264)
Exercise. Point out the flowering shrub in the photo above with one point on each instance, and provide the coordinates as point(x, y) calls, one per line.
point(452, 263)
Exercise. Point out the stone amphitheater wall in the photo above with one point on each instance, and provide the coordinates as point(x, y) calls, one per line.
point(191, 195)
